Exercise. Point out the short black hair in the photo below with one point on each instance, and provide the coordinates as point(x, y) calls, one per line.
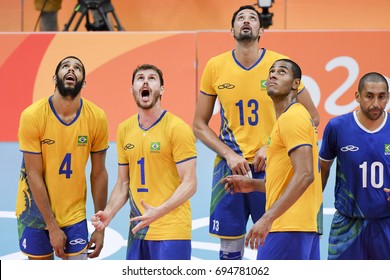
point(247, 7)
point(372, 77)
point(147, 67)
point(297, 72)
point(74, 57)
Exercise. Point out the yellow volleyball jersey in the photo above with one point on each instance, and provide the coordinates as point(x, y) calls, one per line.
point(293, 129)
point(247, 112)
point(152, 155)
point(65, 149)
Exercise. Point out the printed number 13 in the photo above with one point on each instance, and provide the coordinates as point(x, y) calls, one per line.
point(254, 118)
point(216, 225)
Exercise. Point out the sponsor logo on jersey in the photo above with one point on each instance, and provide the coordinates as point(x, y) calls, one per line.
point(79, 240)
point(350, 148)
point(155, 147)
point(82, 140)
point(226, 86)
point(387, 149)
point(128, 146)
point(48, 141)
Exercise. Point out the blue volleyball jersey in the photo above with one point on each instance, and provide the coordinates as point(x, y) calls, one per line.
point(363, 166)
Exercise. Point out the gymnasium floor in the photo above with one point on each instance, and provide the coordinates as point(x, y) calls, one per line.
point(203, 245)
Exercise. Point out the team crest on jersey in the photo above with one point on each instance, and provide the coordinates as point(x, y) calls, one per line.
point(263, 84)
point(82, 140)
point(387, 149)
point(155, 147)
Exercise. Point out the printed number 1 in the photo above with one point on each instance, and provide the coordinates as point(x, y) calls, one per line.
point(65, 167)
point(141, 163)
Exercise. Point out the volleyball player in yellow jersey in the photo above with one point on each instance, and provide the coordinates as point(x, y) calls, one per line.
point(288, 229)
point(157, 174)
point(237, 78)
point(57, 134)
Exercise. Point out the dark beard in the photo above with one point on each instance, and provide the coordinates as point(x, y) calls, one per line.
point(65, 92)
point(245, 37)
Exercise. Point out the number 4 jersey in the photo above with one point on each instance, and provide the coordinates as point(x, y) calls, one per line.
point(65, 149)
point(363, 166)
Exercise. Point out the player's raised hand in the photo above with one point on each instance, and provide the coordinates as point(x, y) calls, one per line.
point(150, 215)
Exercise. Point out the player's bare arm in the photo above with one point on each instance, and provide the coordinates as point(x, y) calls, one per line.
point(34, 171)
point(203, 114)
point(305, 99)
point(118, 198)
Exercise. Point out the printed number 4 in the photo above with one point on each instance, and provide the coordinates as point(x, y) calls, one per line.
point(66, 164)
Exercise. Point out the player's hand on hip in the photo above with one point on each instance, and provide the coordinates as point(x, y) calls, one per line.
point(237, 164)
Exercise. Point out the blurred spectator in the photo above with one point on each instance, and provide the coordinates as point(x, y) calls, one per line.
point(48, 19)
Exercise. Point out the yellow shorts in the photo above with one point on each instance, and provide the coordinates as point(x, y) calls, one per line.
point(51, 5)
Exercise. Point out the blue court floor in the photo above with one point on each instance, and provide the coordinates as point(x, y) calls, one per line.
point(203, 245)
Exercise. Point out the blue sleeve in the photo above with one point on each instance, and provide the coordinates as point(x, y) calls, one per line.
point(328, 149)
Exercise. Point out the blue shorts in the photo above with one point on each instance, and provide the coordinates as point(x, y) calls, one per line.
point(139, 249)
point(36, 242)
point(290, 246)
point(359, 239)
point(229, 213)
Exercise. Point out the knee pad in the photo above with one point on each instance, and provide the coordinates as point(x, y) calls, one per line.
point(232, 249)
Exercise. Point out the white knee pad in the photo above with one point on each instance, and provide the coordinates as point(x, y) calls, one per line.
point(232, 249)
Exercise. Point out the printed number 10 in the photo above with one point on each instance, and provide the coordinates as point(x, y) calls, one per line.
point(376, 169)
